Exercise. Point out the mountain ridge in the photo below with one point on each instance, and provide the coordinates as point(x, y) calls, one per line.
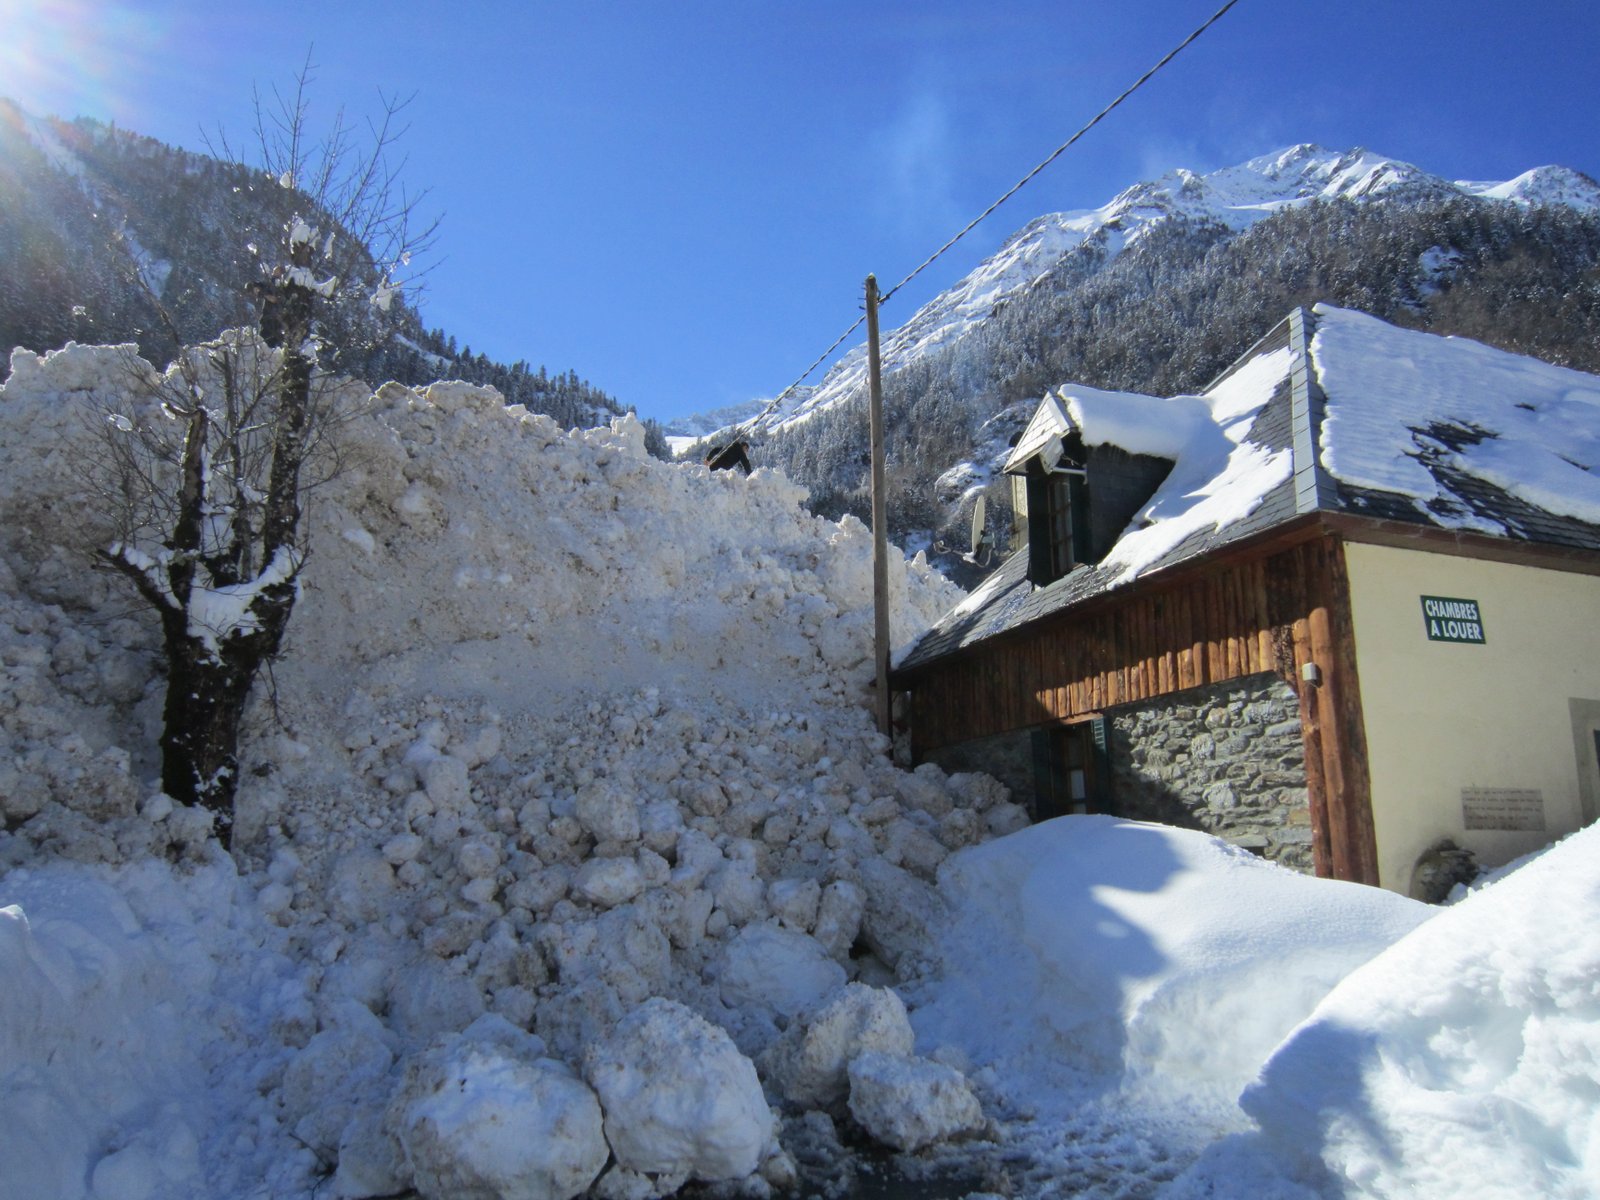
point(1236, 197)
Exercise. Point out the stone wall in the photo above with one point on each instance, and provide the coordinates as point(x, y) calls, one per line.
point(1227, 759)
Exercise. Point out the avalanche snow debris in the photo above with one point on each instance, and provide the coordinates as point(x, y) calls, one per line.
point(909, 1103)
point(627, 770)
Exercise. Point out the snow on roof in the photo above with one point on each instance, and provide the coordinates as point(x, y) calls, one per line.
point(1412, 427)
point(1525, 426)
point(1136, 423)
point(1399, 404)
point(1132, 421)
point(1217, 478)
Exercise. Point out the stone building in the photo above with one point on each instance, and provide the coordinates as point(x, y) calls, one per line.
point(1339, 609)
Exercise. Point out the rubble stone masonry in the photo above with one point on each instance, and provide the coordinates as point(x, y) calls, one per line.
point(1227, 759)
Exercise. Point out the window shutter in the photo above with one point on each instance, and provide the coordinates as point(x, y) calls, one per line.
point(1100, 731)
point(1039, 564)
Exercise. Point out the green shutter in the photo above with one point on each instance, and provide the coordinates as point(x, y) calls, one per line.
point(1103, 794)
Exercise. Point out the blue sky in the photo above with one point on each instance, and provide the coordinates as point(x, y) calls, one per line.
point(680, 199)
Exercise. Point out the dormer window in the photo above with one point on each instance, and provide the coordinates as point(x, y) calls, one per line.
point(1073, 500)
point(1058, 519)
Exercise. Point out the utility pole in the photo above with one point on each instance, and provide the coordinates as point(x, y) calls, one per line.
point(880, 528)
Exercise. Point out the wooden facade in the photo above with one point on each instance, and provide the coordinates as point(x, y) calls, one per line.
point(1279, 605)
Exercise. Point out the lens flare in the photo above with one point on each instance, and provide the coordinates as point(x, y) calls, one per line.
point(79, 58)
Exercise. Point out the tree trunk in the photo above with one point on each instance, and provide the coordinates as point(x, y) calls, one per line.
point(207, 692)
point(206, 696)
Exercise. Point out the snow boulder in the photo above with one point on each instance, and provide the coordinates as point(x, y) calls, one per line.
point(1463, 1060)
point(909, 1103)
point(772, 967)
point(482, 1117)
point(325, 1081)
point(901, 915)
point(680, 1101)
point(809, 1064)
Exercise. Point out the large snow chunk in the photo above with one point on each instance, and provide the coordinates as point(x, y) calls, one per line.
point(680, 1100)
point(809, 1064)
point(607, 882)
point(480, 1120)
point(1164, 954)
point(902, 913)
point(909, 1103)
point(1465, 1059)
point(776, 968)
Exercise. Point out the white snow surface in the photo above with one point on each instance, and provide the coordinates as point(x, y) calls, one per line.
point(1155, 957)
point(1464, 1059)
point(1539, 424)
point(570, 747)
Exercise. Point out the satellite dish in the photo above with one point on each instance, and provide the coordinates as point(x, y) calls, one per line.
point(979, 514)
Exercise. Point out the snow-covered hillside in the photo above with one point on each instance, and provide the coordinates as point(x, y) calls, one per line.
point(570, 863)
point(1235, 197)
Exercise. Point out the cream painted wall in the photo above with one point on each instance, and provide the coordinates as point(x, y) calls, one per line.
point(1442, 716)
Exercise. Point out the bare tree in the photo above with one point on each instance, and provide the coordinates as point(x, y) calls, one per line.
point(206, 467)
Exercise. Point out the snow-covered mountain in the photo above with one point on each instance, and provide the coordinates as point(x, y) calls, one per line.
point(1235, 197)
point(99, 226)
point(685, 431)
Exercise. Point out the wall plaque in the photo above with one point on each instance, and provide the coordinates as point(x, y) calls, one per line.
point(1451, 619)
point(1515, 809)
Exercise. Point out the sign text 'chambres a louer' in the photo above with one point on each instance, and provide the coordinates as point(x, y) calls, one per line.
point(1451, 619)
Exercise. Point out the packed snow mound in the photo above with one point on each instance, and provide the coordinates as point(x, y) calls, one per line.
point(560, 730)
point(1465, 1059)
point(1162, 955)
point(141, 1012)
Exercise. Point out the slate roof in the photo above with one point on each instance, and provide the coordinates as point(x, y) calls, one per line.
point(1007, 601)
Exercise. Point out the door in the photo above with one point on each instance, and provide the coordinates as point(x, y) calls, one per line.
point(1072, 771)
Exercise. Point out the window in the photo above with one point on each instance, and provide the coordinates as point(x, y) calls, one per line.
point(1058, 524)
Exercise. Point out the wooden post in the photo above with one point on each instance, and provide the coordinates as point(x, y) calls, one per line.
point(880, 531)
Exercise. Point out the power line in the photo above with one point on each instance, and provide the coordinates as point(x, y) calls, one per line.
point(783, 395)
point(1055, 154)
point(986, 213)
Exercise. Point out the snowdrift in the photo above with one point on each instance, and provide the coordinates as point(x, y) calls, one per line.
point(1466, 1057)
point(1153, 957)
